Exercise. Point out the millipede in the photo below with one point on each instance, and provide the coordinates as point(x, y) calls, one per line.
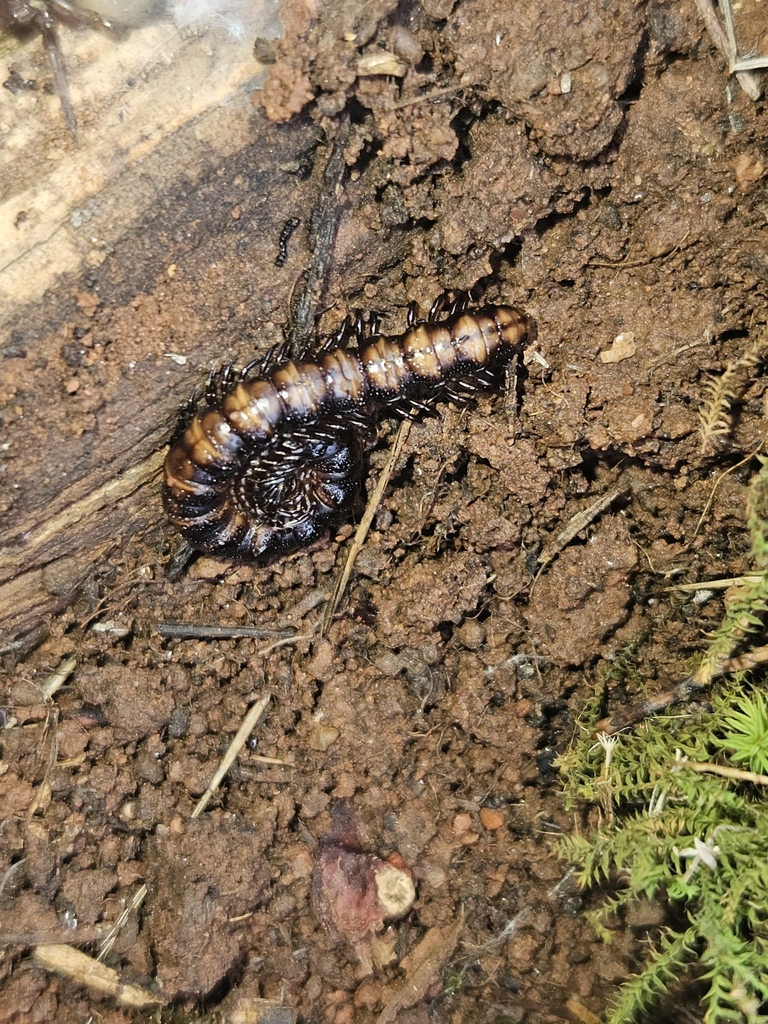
point(270, 460)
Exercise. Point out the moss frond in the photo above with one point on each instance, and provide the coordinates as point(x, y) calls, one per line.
point(673, 828)
point(715, 419)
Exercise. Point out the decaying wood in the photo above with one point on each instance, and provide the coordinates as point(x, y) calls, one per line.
point(76, 499)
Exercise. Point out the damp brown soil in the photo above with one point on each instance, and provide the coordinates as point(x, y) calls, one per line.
point(590, 163)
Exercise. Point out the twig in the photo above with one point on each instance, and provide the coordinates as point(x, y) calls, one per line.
point(57, 679)
point(182, 631)
point(49, 738)
point(321, 245)
point(725, 770)
point(245, 730)
point(726, 44)
point(576, 524)
point(724, 584)
point(745, 662)
point(715, 486)
point(84, 970)
point(120, 923)
point(435, 94)
point(630, 716)
point(365, 524)
point(247, 727)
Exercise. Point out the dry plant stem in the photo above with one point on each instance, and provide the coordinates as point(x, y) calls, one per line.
point(365, 524)
point(625, 718)
point(733, 581)
point(715, 486)
point(727, 47)
point(715, 29)
point(745, 662)
point(725, 770)
point(321, 245)
point(575, 525)
point(49, 743)
point(245, 730)
point(739, 65)
point(435, 94)
point(121, 922)
point(57, 679)
point(181, 631)
point(84, 970)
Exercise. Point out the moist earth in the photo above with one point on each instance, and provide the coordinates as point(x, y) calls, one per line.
point(591, 163)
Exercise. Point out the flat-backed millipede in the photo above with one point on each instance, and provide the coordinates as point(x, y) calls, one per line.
point(272, 462)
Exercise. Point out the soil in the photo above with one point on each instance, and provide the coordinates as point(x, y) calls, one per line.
point(591, 163)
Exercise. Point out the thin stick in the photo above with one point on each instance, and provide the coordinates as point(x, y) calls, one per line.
point(321, 244)
point(733, 581)
point(725, 41)
point(84, 970)
point(182, 631)
point(435, 94)
point(245, 730)
point(575, 525)
point(715, 486)
point(725, 770)
point(626, 717)
point(365, 524)
point(120, 923)
point(715, 29)
point(57, 679)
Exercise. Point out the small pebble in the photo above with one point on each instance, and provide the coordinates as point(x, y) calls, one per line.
point(491, 819)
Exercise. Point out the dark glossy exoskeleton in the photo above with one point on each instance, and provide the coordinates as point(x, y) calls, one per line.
point(272, 463)
point(43, 16)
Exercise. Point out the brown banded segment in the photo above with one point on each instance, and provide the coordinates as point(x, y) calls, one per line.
point(212, 440)
point(470, 340)
point(344, 377)
point(301, 388)
point(512, 324)
point(278, 460)
point(253, 408)
point(384, 365)
point(442, 346)
point(182, 475)
point(419, 352)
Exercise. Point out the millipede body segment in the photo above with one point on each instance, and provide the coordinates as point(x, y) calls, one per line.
point(271, 463)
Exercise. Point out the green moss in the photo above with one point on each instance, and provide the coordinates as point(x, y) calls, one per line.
point(671, 828)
